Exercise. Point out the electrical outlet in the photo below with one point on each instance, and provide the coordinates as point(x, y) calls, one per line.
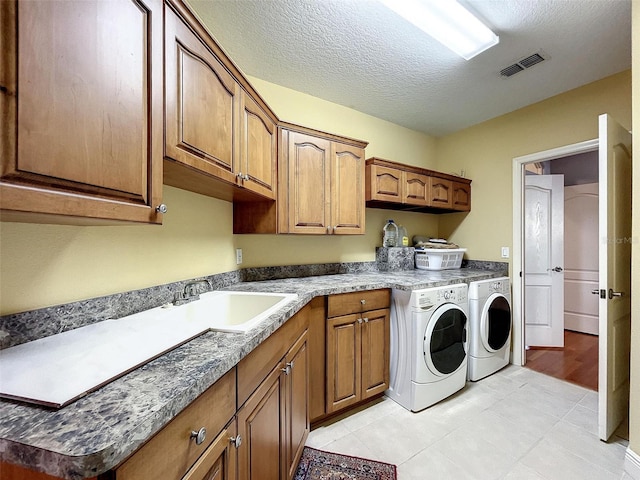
point(238, 256)
point(505, 252)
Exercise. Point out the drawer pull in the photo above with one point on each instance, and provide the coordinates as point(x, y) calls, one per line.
point(236, 441)
point(199, 436)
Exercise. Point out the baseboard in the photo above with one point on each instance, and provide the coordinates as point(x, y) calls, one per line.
point(632, 464)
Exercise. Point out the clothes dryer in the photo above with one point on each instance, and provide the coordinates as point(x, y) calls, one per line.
point(490, 326)
point(428, 345)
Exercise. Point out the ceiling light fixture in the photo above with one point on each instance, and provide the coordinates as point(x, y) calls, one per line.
point(448, 22)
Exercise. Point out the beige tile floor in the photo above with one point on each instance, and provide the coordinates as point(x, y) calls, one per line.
point(515, 424)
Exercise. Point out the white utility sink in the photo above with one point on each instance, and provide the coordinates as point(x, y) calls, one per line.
point(233, 311)
point(59, 369)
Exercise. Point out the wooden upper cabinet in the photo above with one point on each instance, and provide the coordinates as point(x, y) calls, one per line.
point(347, 189)
point(384, 183)
point(220, 139)
point(321, 178)
point(257, 148)
point(461, 199)
point(405, 187)
point(308, 160)
point(441, 193)
point(202, 102)
point(82, 111)
point(416, 189)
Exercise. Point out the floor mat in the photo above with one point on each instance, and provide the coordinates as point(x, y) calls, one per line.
point(321, 465)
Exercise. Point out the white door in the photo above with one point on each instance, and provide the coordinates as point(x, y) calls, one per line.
point(615, 275)
point(581, 258)
point(544, 260)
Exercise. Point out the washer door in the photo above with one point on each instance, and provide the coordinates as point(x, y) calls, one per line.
point(445, 339)
point(495, 323)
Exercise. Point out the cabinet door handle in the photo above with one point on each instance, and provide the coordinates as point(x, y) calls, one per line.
point(359, 320)
point(162, 208)
point(363, 301)
point(287, 368)
point(199, 436)
point(366, 320)
point(236, 441)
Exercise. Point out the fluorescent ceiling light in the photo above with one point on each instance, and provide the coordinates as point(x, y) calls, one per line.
point(448, 22)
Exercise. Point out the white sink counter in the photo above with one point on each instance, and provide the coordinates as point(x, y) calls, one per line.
point(99, 430)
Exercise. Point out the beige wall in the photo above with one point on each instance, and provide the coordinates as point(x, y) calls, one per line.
point(486, 153)
point(634, 414)
point(43, 265)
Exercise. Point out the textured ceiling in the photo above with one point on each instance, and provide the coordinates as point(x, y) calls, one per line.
point(359, 54)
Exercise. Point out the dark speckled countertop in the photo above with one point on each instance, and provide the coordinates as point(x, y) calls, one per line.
point(101, 429)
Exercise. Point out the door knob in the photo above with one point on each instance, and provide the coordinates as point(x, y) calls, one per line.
point(595, 291)
point(555, 269)
point(615, 294)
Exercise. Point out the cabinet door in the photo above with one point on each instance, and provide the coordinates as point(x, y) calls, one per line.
point(202, 102)
point(83, 106)
point(384, 184)
point(441, 195)
point(416, 189)
point(343, 361)
point(461, 197)
point(309, 202)
point(375, 352)
point(260, 424)
point(347, 185)
point(257, 148)
point(297, 403)
point(218, 462)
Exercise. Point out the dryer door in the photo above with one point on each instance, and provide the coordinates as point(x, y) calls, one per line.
point(445, 340)
point(495, 323)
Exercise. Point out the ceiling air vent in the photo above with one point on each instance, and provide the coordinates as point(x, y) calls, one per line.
point(520, 65)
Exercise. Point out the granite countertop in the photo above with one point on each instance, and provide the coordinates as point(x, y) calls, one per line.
point(98, 431)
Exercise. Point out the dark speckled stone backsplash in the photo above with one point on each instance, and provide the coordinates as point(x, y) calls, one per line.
point(28, 326)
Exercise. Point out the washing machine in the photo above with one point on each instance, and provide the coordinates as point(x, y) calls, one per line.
point(428, 359)
point(490, 326)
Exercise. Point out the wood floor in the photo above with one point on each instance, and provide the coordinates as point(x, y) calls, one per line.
point(577, 362)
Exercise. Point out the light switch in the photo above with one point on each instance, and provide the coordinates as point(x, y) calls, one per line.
point(505, 252)
point(238, 256)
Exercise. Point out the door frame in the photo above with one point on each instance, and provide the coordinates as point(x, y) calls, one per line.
point(519, 355)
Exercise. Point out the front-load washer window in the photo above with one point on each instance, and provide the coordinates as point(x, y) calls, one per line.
point(497, 322)
point(444, 340)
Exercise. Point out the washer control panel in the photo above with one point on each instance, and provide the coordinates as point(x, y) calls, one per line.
point(430, 298)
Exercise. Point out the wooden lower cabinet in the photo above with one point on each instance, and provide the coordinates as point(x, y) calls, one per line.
point(174, 450)
point(218, 462)
point(274, 421)
point(357, 348)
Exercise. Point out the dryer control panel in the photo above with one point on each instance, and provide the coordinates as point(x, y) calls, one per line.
point(485, 288)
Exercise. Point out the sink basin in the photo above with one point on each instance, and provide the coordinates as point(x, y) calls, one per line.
point(59, 369)
point(234, 311)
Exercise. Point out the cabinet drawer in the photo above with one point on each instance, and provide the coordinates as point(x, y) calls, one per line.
point(354, 302)
point(172, 451)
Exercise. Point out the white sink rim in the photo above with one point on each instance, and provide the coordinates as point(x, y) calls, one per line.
point(223, 325)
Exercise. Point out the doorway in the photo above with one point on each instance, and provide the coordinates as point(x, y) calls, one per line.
point(614, 248)
point(573, 356)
